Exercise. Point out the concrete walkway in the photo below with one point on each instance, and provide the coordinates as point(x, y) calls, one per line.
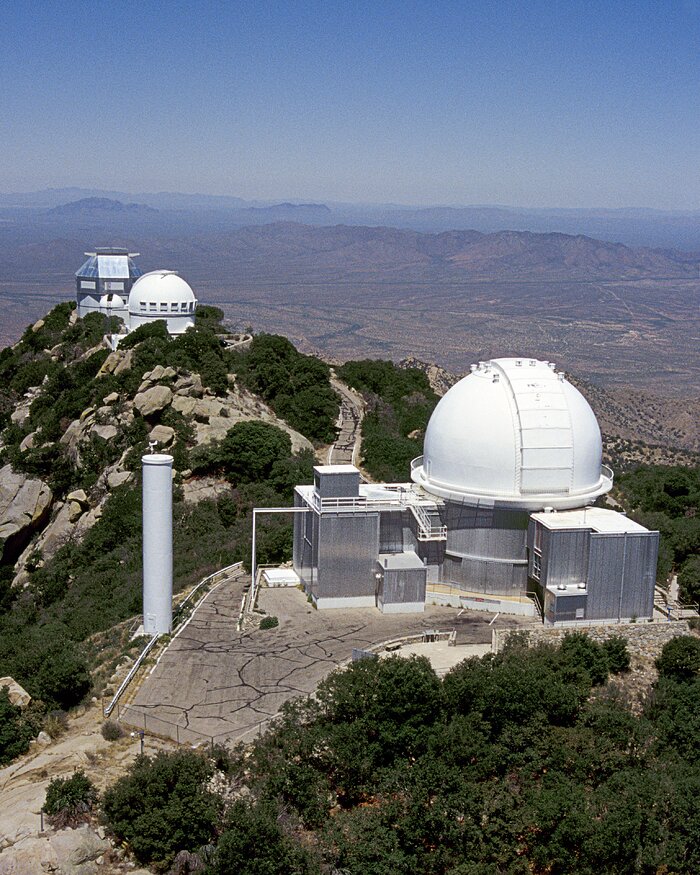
point(214, 683)
point(345, 450)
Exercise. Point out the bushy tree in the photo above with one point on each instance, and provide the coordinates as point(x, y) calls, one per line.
point(69, 801)
point(254, 843)
point(689, 580)
point(247, 454)
point(15, 731)
point(62, 677)
point(618, 655)
point(680, 659)
point(579, 650)
point(163, 806)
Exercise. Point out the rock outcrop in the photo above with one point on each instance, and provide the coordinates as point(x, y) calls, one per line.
point(40, 529)
point(153, 400)
point(16, 693)
point(66, 852)
point(25, 504)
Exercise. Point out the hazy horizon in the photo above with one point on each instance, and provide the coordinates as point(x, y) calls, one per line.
point(574, 106)
point(87, 191)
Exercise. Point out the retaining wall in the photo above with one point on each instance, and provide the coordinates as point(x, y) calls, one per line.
point(643, 639)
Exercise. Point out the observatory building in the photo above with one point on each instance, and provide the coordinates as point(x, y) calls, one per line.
point(104, 282)
point(109, 282)
point(497, 516)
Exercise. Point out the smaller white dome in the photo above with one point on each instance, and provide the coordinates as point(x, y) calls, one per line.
point(161, 291)
point(111, 301)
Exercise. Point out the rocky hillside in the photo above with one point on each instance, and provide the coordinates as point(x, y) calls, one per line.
point(241, 421)
point(170, 409)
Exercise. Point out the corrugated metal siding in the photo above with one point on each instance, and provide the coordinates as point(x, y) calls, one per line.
point(348, 548)
point(605, 567)
point(567, 557)
point(391, 532)
point(640, 575)
point(399, 586)
point(489, 533)
point(346, 485)
point(480, 575)
point(621, 575)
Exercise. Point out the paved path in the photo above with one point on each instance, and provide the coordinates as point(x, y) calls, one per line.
point(345, 449)
point(214, 682)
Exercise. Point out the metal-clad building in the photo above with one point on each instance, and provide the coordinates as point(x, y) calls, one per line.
point(401, 579)
point(592, 564)
point(505, 444)
point(103, 283)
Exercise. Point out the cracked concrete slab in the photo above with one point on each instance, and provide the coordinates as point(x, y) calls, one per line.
point(214, 683)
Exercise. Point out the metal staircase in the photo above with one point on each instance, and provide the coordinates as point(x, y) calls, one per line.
point(428, 530)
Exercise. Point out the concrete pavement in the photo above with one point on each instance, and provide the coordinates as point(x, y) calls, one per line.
point(215, 683)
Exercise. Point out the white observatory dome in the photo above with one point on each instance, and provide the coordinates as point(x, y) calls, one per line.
point(162, 294)
point(111, 301)
point(513, 432)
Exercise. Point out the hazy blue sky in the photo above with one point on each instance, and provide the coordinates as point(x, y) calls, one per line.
point(530, 103)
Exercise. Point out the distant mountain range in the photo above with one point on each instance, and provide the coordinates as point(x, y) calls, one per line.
point(292, 252)
point(89, 205)
point(179, 212)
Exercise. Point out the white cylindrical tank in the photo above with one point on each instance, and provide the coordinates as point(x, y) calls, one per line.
point(157, 543)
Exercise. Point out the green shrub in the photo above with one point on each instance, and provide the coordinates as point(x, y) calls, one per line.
point(69, 801)
point(111, 730)
point(163, 806)
point(578, 650)
point(16, 732)
point(680, 659)
point(618, 654)
point(269, 623)
point(254, 843)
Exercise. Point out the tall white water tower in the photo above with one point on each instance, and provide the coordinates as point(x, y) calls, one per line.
point(157, 543)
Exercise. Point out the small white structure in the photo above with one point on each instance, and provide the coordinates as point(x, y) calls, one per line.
point(157, 543)
point(162, 294)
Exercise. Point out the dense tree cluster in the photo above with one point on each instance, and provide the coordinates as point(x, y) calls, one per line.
point(528, 761)
point(296, 386)
point(399, 404)
point(667, 498)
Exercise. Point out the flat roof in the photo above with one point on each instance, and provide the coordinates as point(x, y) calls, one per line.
point(281, 575)
point(336, 469)
point(599, 519)
point(409, 559)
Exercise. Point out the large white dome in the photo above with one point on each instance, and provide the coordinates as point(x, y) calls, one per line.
point(161, 287)
point(513, 432)
point(162, 294)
